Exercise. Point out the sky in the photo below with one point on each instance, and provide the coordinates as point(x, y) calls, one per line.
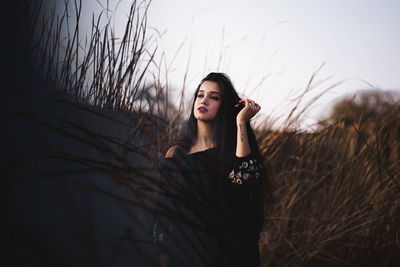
point(271, 48)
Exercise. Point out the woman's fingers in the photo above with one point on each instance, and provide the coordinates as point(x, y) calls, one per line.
point(253, 105)
point(247, 102)
point(249, 110)
point(250, 104)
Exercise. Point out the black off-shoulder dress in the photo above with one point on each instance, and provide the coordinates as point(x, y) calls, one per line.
point(210, 213)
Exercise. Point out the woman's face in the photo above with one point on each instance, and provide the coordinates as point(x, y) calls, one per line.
point(207, 101)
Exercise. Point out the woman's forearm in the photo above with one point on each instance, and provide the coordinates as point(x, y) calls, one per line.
point(242, 141)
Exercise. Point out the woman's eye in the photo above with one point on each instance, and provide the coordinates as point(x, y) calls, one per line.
point(212, 97)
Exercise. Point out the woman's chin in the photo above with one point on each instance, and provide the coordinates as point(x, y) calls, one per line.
point(204, 118)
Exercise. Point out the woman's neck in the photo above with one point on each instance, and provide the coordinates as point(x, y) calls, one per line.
point(205, 135)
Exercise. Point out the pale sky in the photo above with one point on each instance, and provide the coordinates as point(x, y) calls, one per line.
point(271, 48)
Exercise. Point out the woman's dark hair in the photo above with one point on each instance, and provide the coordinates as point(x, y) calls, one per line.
point(225, 122)
point(225, 128)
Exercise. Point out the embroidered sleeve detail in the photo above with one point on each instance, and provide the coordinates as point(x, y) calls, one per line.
point(246, 171)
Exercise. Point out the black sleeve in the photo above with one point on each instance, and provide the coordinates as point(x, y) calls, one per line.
point(245, 190)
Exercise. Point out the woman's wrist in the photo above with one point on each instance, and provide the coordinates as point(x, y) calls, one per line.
point(241, 122)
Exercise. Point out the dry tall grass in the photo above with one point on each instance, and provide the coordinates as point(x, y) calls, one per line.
point(337, 192)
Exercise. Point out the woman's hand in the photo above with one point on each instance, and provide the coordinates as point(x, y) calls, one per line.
point(249, 110)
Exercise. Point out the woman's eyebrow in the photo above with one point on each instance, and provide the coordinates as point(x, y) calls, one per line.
point(215, 92)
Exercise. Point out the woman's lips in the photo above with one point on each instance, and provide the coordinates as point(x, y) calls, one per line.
point(202, 109)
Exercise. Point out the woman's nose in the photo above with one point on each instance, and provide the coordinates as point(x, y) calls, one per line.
point(204, 101)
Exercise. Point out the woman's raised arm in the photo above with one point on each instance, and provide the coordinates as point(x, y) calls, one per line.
point(249, 110)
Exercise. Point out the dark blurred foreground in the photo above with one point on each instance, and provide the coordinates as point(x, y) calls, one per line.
point(75, 178)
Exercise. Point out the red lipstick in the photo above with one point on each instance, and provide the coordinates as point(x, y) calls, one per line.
point(202, 109)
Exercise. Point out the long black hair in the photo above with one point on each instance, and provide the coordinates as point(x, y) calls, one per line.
point(225, 130)
point(225, 122)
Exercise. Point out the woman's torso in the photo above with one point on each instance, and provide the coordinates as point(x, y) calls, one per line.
point(214, 212)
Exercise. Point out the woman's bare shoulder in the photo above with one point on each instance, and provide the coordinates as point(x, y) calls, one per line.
point(170, 152)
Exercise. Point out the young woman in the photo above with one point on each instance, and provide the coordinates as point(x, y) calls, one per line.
point(212, 180)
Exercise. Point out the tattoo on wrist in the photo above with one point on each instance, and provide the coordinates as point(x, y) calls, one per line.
point(241, 133)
